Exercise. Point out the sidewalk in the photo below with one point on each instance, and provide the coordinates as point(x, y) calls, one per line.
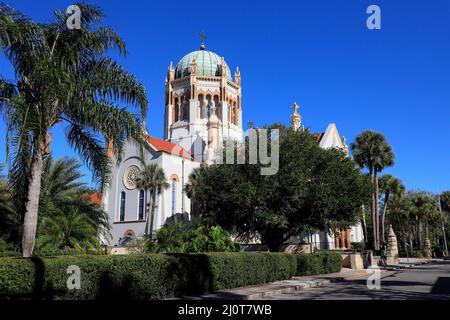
point(285, 286)
point(406, 263)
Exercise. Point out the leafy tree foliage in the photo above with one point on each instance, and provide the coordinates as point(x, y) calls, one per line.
point(372, 151)
point(391, 187)
point(445, 201)
point(183, 238)
point(153, 180)
point(412, 217)
point(73, 230)
point(63, 77)
point(68, 220)
point(313, 189)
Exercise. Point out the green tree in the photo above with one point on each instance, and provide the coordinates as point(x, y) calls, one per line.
point(372, 151)
point(153, 180)
point(179, 237)
point(8, 218)
point(313, 189)
point(63, 192)
point(63, 77)
point(72, 230)
point(425, 209)
point(391, 187)
point(445, 201)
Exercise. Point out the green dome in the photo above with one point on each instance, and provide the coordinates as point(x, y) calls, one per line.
point(208, 64)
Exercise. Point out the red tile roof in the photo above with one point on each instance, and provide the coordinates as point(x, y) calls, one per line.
point(318, 136)
point(94, 198)
point(168, 147)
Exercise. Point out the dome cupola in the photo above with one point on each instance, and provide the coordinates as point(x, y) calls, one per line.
point(208, 64)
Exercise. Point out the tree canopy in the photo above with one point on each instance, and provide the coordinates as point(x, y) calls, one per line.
point(313, 189)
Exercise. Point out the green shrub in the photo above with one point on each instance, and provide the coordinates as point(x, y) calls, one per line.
point(8, 250)
point(145, 276)
point(182, 238)
point(358, 246)
point(320, 262)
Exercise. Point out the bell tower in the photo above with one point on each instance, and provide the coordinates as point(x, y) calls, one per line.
point(201, 97)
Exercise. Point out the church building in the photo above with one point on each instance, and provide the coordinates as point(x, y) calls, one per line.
point(203, 106)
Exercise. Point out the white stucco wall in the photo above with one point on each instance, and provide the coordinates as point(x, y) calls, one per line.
point(172, 165)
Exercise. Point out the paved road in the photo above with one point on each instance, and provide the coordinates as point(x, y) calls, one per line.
point(430, 281)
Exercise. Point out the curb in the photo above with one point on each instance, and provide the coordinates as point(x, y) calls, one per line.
point(260, 294)
point(403, 266)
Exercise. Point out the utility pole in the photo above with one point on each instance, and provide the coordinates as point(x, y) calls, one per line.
point(443, 227)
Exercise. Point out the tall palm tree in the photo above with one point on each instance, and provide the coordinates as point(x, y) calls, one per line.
point(191, 192)
point(63, 77)
point(425, 210)
point(153, 180)
point(372, 151)
point(390, 186)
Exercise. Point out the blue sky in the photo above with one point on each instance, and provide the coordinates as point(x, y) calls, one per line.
point(318, 53)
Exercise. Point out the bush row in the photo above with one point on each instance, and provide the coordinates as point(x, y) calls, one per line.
point(149, 276)
point(320, 262)
point(154, 276)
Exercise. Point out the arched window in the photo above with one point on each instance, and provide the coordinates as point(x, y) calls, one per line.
point(201, 106)
point(208, 106)
point(174, 192)
point(218, 107)
point(177, 110)
point(122, 206)
point(174, 179)
point(141, 205)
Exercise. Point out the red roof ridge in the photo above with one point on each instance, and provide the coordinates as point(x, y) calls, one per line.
point(168, 147)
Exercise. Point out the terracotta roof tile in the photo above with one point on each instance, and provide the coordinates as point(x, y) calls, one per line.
point(318, 136)
point(168, 147)
point(94, 198)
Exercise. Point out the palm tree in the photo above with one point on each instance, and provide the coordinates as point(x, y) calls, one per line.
point(191, 192)
point(389, 186)
point(372, 151)
point(73, 230)
point(425, 210)
point(62, 191)
point(152, 179)
point(63, 77)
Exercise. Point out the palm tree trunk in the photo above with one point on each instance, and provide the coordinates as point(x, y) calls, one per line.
point(152, 211)
point(149, 217)
point(373, 215)
point(364, 225)
point(377, 216)
point(411, 248)
point(32, 205)
point(383, 216)
point(419, 229)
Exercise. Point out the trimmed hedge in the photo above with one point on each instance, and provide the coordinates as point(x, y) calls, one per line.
point(148, 276)
point(320, 262)
point(102, 277)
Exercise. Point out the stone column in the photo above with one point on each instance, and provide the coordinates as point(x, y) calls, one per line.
point(342, 246)
point(392, 248)
point(336, 239)
point(348, 238)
